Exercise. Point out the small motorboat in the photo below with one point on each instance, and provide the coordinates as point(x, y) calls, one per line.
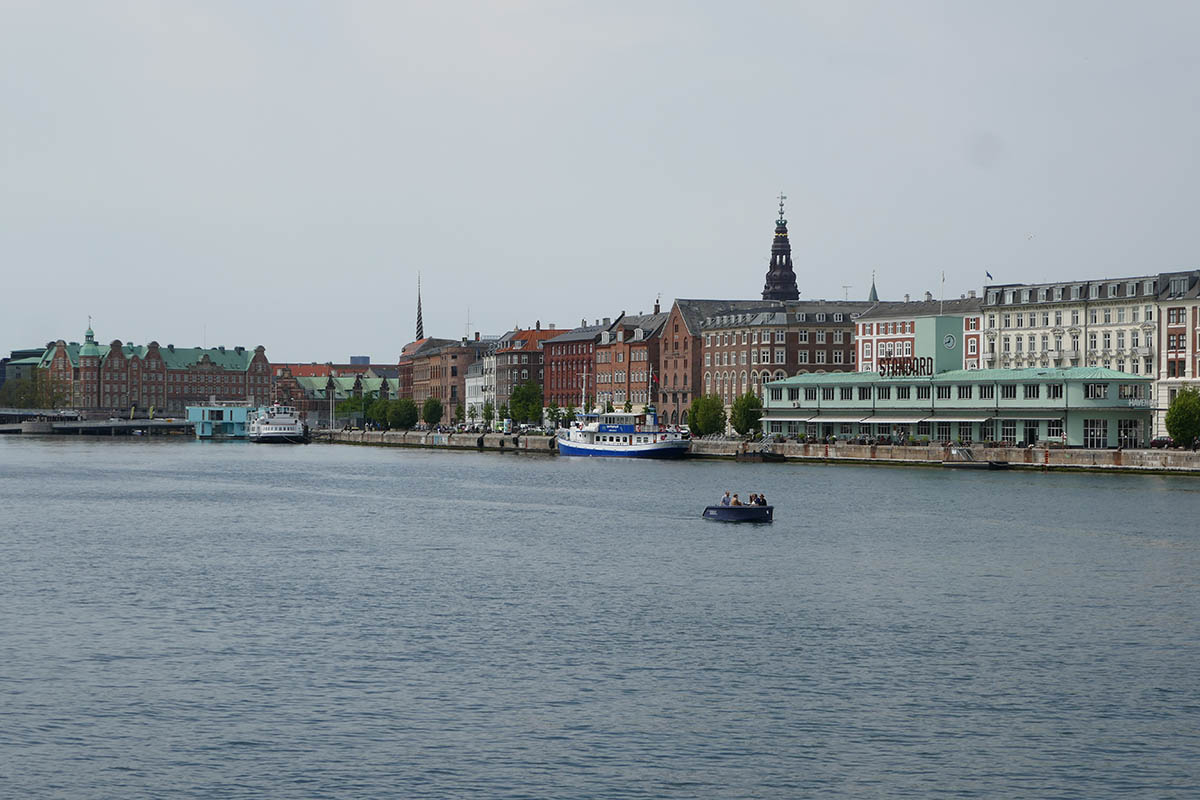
point(740, 513)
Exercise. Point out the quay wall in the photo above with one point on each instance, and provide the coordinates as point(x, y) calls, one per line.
point(499, 442)
point(1175, 461)
point(1031, 457)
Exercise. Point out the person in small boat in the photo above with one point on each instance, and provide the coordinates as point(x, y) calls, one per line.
point(762, 499)
point(753, 499)
point(735, 501)
point(725, 499)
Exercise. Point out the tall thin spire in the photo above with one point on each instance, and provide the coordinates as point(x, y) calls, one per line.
point(420, 322)
point(781, 277)
point(874, 295)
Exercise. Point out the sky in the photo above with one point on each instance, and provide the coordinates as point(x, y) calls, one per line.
point(279, 173)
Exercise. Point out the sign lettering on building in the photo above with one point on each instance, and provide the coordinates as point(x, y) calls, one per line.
point(902, 366)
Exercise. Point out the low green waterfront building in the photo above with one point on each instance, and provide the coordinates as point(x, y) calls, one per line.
point(1087, 407)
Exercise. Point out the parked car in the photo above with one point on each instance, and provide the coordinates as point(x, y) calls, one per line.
point(1162, 441)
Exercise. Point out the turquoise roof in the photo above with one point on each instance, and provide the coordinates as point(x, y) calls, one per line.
point(976, 375)
point(180, 358)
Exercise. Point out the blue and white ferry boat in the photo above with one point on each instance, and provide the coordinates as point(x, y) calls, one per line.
point(621, 434)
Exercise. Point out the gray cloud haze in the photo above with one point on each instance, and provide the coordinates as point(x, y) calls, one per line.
point(278, 172)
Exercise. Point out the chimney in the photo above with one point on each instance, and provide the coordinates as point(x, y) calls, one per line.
point(583, 323)
point(607, 321)
point(906, 298)
point(971, 293)
point(656, 311)
point(929, 297)
point(551, 326)
point(537, 325)
point(171, 347)
point(477, 336)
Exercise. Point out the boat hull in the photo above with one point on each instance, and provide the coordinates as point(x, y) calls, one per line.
point(669, 449)
point(740, 513)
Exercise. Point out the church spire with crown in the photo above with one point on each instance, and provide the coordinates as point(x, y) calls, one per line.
point(420, 322)
point(781, 278)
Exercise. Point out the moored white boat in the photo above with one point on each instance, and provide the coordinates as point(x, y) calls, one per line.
point(620, 434)
point(276, 424)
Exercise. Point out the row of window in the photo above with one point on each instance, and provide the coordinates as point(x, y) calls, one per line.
point(1096, 316)
point(1048, 294)
point(964, 391)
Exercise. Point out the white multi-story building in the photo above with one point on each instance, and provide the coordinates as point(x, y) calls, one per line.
point(1107, 323)
point(1178, 340)
point(474, 391)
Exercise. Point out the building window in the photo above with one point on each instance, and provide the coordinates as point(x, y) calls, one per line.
point(1032, 391)
point(1129, 433)
point(1008, 431)
point(884, 393)
point(1008, 391)
point(821, 354)
point(810, 393)
point(903, 392)
point(839, 356)
point(964, 392)
point(864, 393)
point(780, 355)
point(1054, 429)
point(1096, 391)
point(924, 392)
point(943, 393)
point(1095, 433)
point(845, 393)
point(1054, 391)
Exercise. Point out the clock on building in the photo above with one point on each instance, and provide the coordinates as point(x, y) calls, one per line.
point(948, 342)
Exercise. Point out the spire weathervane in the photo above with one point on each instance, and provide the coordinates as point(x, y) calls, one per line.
point(782, 197)
point(420, 322)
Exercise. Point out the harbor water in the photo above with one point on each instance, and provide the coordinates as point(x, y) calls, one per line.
point(208, 619)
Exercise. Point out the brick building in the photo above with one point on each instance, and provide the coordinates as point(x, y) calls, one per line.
point(117, 376)
point(570, 360)
point(521, 359)
point(742, 350)
point(681, 356)
point(1178, 340)
point(626, 355)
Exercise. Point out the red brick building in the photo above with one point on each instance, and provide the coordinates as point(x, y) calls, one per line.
point(570, 366)
point(626, 355)
point(744, 349)
point(118, 377)
point(521, 359)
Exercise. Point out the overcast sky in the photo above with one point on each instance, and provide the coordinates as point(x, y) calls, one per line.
point(277, 173)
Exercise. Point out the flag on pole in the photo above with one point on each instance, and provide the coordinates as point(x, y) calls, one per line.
point(985, 272)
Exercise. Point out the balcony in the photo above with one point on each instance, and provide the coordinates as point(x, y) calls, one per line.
point(1143, 352)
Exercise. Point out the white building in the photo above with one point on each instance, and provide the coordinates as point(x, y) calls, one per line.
point(1107, 323)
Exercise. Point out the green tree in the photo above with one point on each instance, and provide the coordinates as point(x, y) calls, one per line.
point(628, 406)
point(526, 403)
point(489, 413)
point(1183, 417)
point(377, 411)
point(503, 412)
point(403, 413)
point(459, 414)
point(352, 407)
point(706, 415)
point(432, 411)
point(553, 414)
point(472, 413)
point(567, 417)
point(745, 413)
point(608, 407)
